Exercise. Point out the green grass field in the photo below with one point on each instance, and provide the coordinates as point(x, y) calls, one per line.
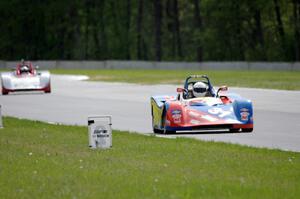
point(254, 79)
point(39, 160)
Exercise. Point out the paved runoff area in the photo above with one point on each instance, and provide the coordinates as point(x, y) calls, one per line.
point(276, 113)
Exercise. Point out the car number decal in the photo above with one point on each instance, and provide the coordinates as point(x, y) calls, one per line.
point(219, 112)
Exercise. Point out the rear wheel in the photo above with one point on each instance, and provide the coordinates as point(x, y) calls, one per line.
point(4, 92)
point(247, 130)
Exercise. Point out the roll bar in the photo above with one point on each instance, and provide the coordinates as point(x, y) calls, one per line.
point(210, 87)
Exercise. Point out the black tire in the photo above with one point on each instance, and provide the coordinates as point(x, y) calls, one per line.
point(48, 90)
point(3, 90)
point(157, 131)
point(248, 130)
point(234, 130)
point(169, 132)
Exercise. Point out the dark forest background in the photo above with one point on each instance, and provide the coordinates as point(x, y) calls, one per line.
point(180, 30)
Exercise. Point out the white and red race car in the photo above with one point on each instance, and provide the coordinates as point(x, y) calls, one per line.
point(25, 78)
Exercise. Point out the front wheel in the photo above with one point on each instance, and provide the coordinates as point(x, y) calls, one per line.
point(157, 131)
point(169, 132)
point(248, 130)
point(48, 90)
point(234, 130)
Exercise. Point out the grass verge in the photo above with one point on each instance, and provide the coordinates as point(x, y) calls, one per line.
point(39, 160)
point(254, 79)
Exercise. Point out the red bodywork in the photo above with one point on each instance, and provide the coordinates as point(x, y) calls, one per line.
point(180, 115)
point(31, 73)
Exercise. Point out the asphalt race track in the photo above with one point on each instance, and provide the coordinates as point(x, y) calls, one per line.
point(276, 113)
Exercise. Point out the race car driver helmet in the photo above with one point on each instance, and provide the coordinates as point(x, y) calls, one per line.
point(24, 69)
point(199, 89)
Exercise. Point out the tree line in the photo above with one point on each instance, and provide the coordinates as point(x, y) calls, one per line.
point(161, 30)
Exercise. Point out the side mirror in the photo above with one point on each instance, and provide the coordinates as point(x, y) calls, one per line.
point(222, 88)
point(180, 90)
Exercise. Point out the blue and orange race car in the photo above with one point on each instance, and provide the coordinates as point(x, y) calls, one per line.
point(214, 111)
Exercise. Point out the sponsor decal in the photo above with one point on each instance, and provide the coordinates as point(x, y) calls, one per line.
point(101, 133)
point(209, 101)
point(176, 115)
point(244, 116)
point(176, 112)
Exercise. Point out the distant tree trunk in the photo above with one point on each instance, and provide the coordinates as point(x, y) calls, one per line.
point(174, 27)
point(118, 47)
point(238, 49)
point(103, 38)
point(258, 27)
point(70, 35)
point(139, 28)
point(11, 50)
point(296, 12)
point(128, 21)
point(259, 35)
point(279, 21)
point(86, 32)
point(199, 27)
point(95, 32)
point(177, 28)
point(60, 47)
point(171, 27)
point(158, 31)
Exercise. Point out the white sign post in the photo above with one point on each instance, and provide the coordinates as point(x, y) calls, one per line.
point(100, 132)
